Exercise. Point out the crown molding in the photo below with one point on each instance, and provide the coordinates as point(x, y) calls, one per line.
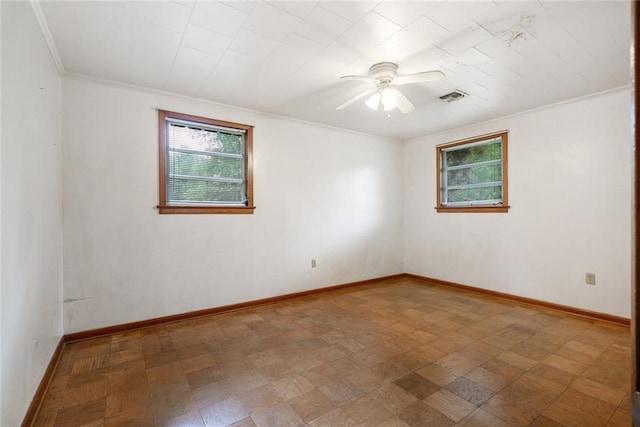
point(37, 10)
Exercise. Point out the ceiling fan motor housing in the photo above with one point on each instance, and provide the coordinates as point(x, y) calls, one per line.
point(383, 71)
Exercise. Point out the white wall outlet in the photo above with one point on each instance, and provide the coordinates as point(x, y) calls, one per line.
point(590, 278)
point(313, 263)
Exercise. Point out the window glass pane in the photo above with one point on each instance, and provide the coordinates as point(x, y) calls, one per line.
point(181, 190)
point(474, 154)
point(189, 138)
point(474, 194)
point(202, 165)
point(475, 175)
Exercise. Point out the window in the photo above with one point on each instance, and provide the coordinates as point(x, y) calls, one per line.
point(472, 175)
point(205, 165)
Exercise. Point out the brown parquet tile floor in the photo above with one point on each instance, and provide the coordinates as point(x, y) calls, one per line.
point(395, 353)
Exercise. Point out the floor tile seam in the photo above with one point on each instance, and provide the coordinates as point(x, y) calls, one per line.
point(84, 403)
point(485, 406)
point(516, 381)
point(580, 410)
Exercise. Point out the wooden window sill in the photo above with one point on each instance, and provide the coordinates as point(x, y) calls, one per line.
point(474, 209)
point(246, 210)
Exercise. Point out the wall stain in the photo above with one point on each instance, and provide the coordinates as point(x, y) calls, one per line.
point(75, 299)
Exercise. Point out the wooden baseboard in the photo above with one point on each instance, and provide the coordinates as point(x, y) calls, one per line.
point(125, 327)
point(573, 310)
point(109, 330)
point(38, 397)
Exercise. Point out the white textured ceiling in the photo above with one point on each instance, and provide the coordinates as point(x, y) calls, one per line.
point(286, 57)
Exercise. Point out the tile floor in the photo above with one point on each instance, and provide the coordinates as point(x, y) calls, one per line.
point(395, 353)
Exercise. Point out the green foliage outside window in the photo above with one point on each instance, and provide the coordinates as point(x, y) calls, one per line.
point(474, 194)
point(474, 154)
point(475, 175)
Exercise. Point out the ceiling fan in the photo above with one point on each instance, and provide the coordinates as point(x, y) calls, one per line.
point(385, 75)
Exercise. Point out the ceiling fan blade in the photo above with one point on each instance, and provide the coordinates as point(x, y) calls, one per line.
point(425, 76)
point(355, 99)
point(359, 78)
point(404, 105)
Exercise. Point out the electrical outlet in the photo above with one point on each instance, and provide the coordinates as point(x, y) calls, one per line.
point(590, 278)
point(313, 263)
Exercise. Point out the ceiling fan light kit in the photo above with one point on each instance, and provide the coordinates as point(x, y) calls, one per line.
point(385, 96)
point(388, 97)
point(384, 75)
point(374, 101)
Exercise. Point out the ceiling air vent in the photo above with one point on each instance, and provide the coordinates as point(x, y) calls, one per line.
point(454, 96)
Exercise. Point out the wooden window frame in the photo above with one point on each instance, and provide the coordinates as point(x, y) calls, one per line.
point(164, 207)
point(504, 207)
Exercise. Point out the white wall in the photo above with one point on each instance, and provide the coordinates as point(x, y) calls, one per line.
point(320, 193)
point(1, 292)
point(31, 215)
point(570, 197)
